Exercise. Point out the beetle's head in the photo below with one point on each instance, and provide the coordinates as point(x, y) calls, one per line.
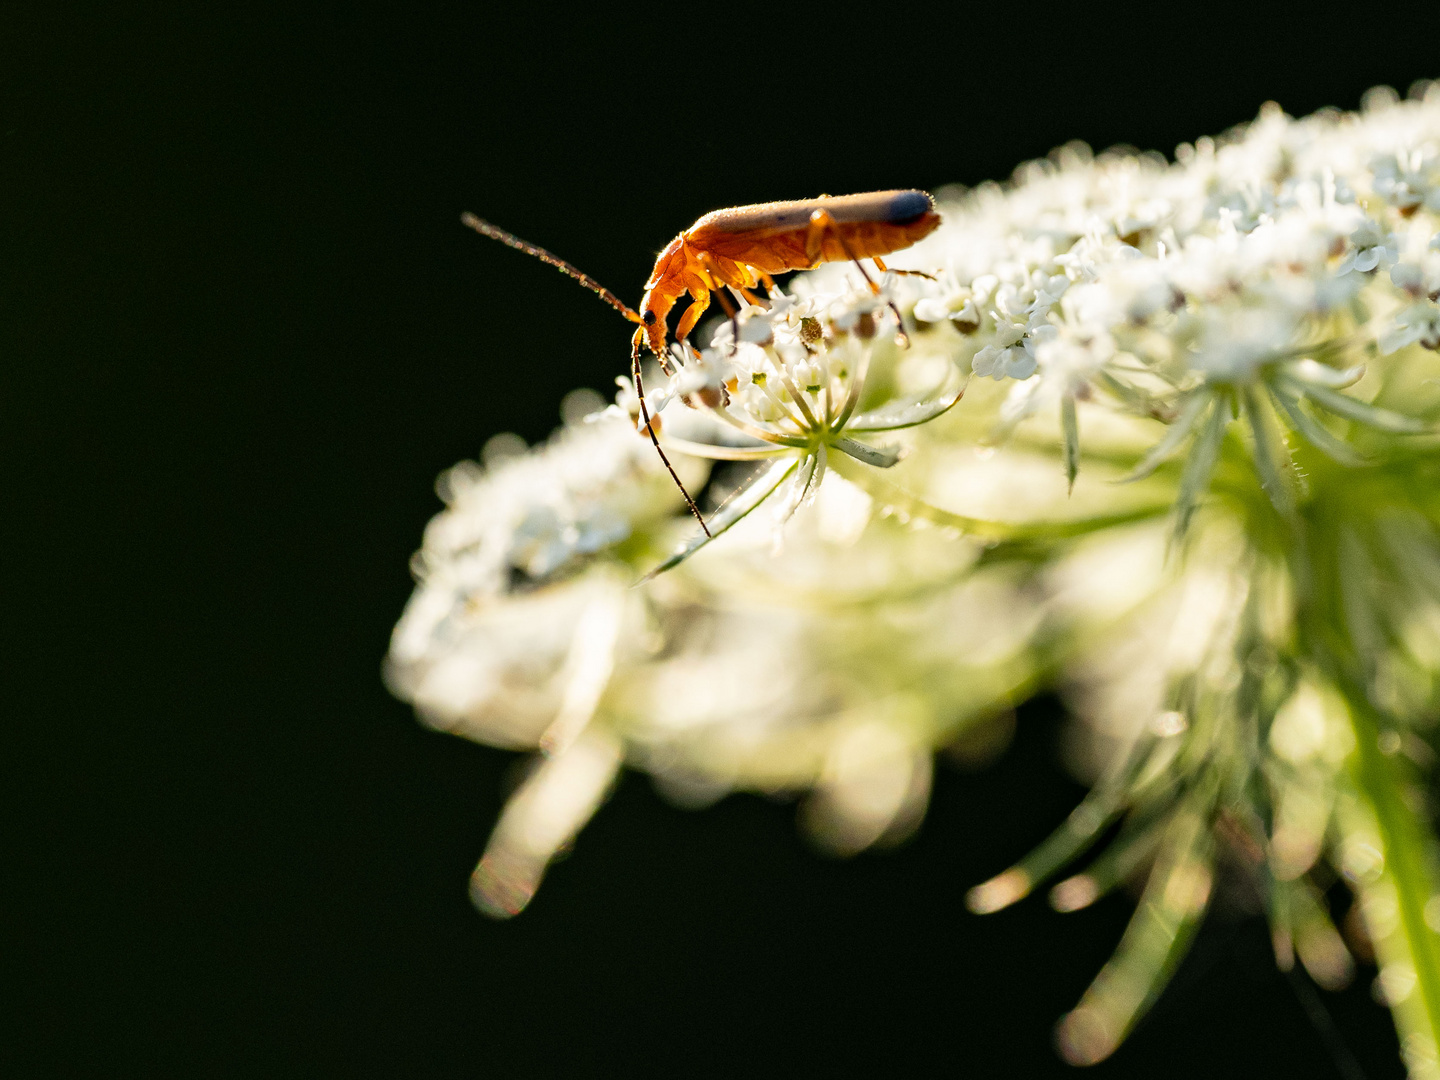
point(653, 310)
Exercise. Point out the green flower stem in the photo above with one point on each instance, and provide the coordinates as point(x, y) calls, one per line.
point(1332, 588)
point(1407, 843)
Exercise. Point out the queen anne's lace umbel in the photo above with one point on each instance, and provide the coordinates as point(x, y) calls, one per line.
point(1192, 485)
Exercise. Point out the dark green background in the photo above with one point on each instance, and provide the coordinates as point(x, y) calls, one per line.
point(241, 330)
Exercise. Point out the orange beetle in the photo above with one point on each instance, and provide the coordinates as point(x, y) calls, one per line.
point(741, 248)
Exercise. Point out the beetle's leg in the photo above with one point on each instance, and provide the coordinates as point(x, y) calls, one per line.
point(906, 273)
point(733, 312)
point(815, 237)
point(635, 344)
point(716, 279)
point(717, 282)
point(751, 298)
point(821, 222)
point(700, 301)
point(741, 283)
point(901, 337)
point(725, 302)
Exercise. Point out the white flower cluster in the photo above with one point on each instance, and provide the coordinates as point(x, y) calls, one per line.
point(775, 367)
point(785, 382)
point(539, 511)
point(1208, 268)
point(787, 362)
point(509, 529)
point(1269, 303)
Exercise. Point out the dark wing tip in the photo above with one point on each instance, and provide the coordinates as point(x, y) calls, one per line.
point(906, 206)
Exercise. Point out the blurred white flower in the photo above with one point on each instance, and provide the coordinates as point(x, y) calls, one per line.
point(1371, 248)
point(1417, 324)
point(1408, 179)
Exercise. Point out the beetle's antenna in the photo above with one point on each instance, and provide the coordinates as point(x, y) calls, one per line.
point(484, 228)
point(650, 427)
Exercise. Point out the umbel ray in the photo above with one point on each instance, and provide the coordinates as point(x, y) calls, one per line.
point(740, 249)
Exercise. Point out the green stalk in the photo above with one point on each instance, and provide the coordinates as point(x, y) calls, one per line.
point(1334, 586)
point(1407, 844)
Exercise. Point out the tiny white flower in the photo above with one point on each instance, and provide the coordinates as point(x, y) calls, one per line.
point(1408, 179)
point(758, 329)
point(1408, 277)
point(1420, 322)
point(1232, 345)
point(1018, 363)
point(954, 302)
point(847, 314)
point(761, 405)
point(1371, 247)
point(1049, 288)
